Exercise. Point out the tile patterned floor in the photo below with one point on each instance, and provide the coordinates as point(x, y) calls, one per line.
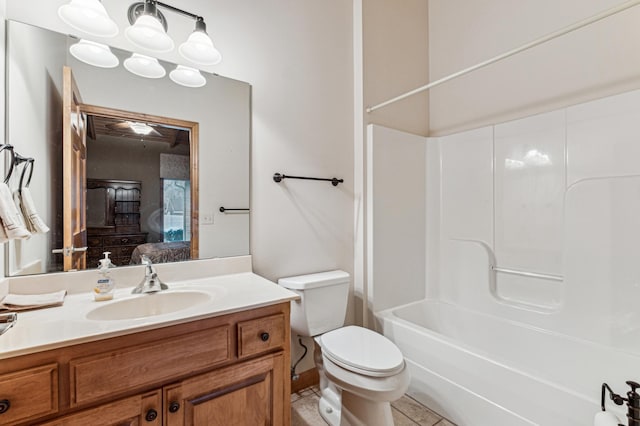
point(406, 411)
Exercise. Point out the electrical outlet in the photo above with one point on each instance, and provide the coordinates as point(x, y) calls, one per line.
point(207, 218)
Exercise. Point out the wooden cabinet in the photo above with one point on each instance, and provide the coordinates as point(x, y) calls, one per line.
point(113, 220)
point(114, 204)
point(237, 395)
point(119, 245)
point(227, 370)
point(133, 411)
point(29, 393)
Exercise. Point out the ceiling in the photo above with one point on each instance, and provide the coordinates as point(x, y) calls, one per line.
point(105, 126)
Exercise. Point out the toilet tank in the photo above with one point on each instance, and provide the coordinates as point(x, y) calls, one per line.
point(323, 301)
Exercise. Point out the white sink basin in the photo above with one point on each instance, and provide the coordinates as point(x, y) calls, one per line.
point(148, 305)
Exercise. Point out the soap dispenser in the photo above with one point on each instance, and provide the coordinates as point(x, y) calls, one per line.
point(633, 404)
point(105, 286)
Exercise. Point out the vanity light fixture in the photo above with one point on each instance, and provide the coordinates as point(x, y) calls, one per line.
point(144, 66)
point(149, 31)
point(199, 47)
point(149, 28)
point(187, 76)
point(88, 16)
point(96, 54)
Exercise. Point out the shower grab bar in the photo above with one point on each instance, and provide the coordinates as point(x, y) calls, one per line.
point(583, 23)
point(527, 274)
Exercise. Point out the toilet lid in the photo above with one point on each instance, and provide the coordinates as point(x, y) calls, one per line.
point(363, 351)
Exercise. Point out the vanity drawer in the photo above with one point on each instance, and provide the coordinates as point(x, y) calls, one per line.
point(29, 393)
point(105, 375)
point(260, 335)
point(125, 240)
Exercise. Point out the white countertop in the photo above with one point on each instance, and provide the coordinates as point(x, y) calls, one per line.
point(49, 328)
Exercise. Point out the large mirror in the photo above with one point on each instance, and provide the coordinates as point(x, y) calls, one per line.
point(137, 187)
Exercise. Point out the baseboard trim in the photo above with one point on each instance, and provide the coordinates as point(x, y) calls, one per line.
point(305, 379)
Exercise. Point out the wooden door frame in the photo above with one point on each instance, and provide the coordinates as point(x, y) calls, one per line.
point(193, 128)
point(74, 239)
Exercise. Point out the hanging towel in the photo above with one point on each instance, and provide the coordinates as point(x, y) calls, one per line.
point(12, 220)
point(32, 219)
point(3, 235)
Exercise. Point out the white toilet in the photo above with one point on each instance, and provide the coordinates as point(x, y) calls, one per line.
point(361, 371)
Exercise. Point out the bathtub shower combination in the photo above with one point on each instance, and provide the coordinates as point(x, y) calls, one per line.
point(530, 232)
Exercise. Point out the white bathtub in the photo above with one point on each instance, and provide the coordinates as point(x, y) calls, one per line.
point(481, 370)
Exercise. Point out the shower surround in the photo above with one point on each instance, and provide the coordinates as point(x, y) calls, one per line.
point(531, 262)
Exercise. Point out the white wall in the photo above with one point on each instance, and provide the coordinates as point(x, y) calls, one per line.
point(590, 63)
point(396, 217)
point(298, 58)
point(395, 37)
point(390, 57)
point(3, 14)
point(34, 111)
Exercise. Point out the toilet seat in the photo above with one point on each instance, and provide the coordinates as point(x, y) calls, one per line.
point(362, 351)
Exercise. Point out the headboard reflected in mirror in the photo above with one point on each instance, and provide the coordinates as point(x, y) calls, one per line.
point(160, 211)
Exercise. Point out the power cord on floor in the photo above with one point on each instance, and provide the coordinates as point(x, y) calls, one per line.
point(294, 376)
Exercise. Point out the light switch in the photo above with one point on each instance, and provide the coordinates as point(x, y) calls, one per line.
point(207, 218)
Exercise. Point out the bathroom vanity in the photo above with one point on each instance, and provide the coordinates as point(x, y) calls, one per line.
point(223, 361)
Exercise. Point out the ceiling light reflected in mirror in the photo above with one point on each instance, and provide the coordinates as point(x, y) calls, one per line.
point(140, 128)
point(92, 53)
point(188, 77)
point(144, 66)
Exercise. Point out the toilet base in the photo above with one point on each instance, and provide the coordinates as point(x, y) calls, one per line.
point(357, 411)
point(351, 410)
point(329, 411)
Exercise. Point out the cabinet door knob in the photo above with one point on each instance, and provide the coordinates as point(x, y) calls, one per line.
point(5, 404)
point(151, 415)
point(174, 407)
point(264, 336)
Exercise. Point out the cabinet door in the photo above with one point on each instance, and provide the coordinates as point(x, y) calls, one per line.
point(138, 410)
point(246, 394)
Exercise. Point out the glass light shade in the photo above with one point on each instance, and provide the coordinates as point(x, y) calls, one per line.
point(199, 49)
point(96, 54)
point(144, 66)
point(88, 16)
point(187, 76)
point(148, 33)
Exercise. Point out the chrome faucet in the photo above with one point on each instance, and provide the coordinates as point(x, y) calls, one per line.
point(151, 282)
